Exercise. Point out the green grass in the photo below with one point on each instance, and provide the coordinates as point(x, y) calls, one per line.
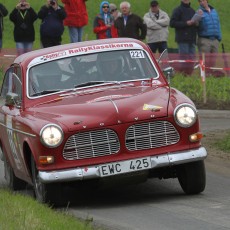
point(20, 212)
point(139, 7)
point(224, 144)
point(217, 89)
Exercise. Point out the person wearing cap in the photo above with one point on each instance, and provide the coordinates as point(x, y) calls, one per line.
point(114, 11)
point(103, 25)
point(157, 22)
point(130, 25)
point(185, 33)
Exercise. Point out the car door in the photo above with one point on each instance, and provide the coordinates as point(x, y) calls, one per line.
point(10, 105)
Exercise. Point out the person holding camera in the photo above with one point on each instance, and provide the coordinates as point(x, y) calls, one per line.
point(52, 28)
point(23, 16)
point(3, 13)
point(104, 23)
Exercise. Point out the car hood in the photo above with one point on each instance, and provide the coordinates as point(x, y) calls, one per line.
point(106, 108)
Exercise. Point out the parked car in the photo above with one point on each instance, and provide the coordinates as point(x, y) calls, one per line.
point(96, 110)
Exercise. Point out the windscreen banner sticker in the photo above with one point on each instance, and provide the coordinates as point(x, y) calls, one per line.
point(84, 50)
point(137, 54)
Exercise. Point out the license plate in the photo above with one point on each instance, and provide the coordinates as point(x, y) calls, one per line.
point(125, 166)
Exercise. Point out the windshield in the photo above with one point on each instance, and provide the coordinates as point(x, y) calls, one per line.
point(87, 70)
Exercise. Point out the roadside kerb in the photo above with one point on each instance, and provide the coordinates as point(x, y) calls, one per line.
point(214, 113)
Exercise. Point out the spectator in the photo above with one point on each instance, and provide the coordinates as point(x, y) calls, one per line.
point(129, 24)
point(77, 18)
point(209, 32)
point(104, 23)
point(157, 22)
point(51, 29)
point(23, 16)
point(185, 33)
point(3, 13)
point(114, 11)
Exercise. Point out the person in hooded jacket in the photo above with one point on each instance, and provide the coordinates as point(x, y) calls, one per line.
point(3, 13)
point(104, 23)
point(77, 18)
point(23, 16)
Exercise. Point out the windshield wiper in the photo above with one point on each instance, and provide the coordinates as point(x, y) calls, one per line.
point(45, 92)
point(89, 83)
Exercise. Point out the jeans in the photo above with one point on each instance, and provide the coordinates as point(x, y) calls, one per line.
point(0, 43)
point(187, 48)
point(75, 34)
point(187, 51)
point(23, 47)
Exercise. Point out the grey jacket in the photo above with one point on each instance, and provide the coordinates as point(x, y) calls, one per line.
point(157, 29)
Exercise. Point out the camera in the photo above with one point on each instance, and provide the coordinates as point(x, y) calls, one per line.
point(23, 5)
point(52, 2)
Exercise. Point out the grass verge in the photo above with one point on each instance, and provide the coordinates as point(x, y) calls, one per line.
point(224, 144)
point(24, 213)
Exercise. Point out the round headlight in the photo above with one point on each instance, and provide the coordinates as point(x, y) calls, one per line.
point(185, 115)
point(51, 135)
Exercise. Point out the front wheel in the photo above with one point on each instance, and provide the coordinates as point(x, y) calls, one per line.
point(45, 193)
point(192, 177)
point(12, 182)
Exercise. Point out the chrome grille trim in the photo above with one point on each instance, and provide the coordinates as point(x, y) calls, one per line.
point(151, 135)
point(91, 144)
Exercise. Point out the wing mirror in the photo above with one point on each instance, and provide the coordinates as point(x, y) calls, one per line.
point(12, 99)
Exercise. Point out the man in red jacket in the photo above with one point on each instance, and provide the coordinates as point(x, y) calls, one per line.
point(77, 18)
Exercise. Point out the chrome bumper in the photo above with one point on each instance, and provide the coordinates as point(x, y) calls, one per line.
point(92, 172)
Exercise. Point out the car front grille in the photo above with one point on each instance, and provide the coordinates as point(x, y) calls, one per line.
point(91, 144)
point(151, 135)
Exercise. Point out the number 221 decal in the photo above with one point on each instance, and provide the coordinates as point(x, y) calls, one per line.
point(137, 54)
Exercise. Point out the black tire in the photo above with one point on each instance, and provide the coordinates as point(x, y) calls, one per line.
point(46, 193)
point(192, 177)
point(12, 182)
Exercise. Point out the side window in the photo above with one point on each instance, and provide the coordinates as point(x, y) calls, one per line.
point(6, 82)
point(12, 83)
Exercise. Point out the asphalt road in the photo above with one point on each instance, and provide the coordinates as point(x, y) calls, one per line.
point(161, 204)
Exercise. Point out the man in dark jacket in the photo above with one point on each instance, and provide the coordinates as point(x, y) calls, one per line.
point(52, 28)
point(23, 16)
point(3, 13)
point(185, 31)
point(130, 25)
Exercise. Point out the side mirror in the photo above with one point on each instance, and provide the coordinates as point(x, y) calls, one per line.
point(169, 72)
point(12, 99)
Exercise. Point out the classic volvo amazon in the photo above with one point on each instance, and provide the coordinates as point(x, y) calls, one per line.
point(96, 110)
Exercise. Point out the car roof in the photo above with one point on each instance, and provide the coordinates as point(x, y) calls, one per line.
point(28, 57)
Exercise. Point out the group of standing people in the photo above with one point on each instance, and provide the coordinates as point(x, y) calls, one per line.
point(53, 19)
point(201, 27)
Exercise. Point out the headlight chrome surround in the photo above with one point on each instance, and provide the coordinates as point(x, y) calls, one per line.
point(51, 135)
point(185, 115)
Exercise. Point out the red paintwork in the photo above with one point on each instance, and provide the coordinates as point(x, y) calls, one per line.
point(91, 110)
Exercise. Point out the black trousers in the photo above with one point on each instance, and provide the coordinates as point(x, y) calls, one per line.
point(48, 41)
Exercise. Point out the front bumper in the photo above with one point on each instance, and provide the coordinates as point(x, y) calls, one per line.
point(93, 172)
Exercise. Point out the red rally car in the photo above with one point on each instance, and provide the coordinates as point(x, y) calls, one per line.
point(96, 110)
